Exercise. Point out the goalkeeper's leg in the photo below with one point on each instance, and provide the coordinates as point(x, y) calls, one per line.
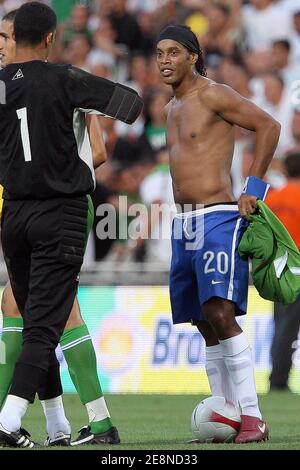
point(80, 356)
point(11, 340)
point(57, 423)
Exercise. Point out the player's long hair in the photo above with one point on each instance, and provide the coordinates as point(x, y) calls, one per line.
point(200, 67)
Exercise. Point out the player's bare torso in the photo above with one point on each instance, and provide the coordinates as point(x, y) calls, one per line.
point(201, 146)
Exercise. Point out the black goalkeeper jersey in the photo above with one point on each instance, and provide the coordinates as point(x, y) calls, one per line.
point(45, 150)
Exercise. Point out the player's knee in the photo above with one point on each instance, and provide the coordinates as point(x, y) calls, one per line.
point(219, 320)
point(207, 332)
point(73, 323)
point(9, 306)
point(75, 318)
point(40, 339)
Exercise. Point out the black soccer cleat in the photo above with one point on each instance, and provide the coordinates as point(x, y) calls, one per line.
point(16, 439)
point(87, 437)
point(61, 439)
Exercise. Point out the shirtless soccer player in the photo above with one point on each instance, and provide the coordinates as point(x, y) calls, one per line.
point(76, 342)
point(208, 279)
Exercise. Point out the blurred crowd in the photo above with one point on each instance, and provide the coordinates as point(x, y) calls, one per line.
point(253, 46)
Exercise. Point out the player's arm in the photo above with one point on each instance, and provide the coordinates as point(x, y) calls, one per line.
point(237, 110)
point(97, 95)
point(96, 140)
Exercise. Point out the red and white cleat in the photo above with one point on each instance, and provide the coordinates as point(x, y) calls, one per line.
point(252, 430)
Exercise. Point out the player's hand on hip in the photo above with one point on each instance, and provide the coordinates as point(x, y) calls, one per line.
point(247, 205)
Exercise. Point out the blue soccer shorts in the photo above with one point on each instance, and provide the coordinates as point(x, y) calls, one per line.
point(205, 261)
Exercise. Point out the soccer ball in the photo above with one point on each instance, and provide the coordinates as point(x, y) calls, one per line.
point(215, 420)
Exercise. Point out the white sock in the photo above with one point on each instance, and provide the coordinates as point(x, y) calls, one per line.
point(55, 417)
point(97, 410)
point(219, 379)
point(12, 413)
point(238, 359)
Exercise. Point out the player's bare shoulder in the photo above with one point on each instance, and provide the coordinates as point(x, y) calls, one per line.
point(216, 96)
point(204, 87)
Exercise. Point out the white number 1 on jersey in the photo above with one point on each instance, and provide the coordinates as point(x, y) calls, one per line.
point(22, 115)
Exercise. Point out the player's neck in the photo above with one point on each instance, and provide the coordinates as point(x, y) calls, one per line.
point(187, 85)
point(26, 54)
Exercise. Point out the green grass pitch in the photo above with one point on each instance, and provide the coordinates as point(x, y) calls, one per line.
point(162, 422)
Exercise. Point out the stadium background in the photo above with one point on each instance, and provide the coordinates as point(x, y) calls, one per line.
point(123, 293)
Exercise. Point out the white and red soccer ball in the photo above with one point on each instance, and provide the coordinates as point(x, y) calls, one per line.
point(215, 420)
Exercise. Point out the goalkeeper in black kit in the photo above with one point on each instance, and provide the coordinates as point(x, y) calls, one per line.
point(46, 170)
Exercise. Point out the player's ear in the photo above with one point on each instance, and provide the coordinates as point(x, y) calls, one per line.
point(193, 58)
point(50, 38)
